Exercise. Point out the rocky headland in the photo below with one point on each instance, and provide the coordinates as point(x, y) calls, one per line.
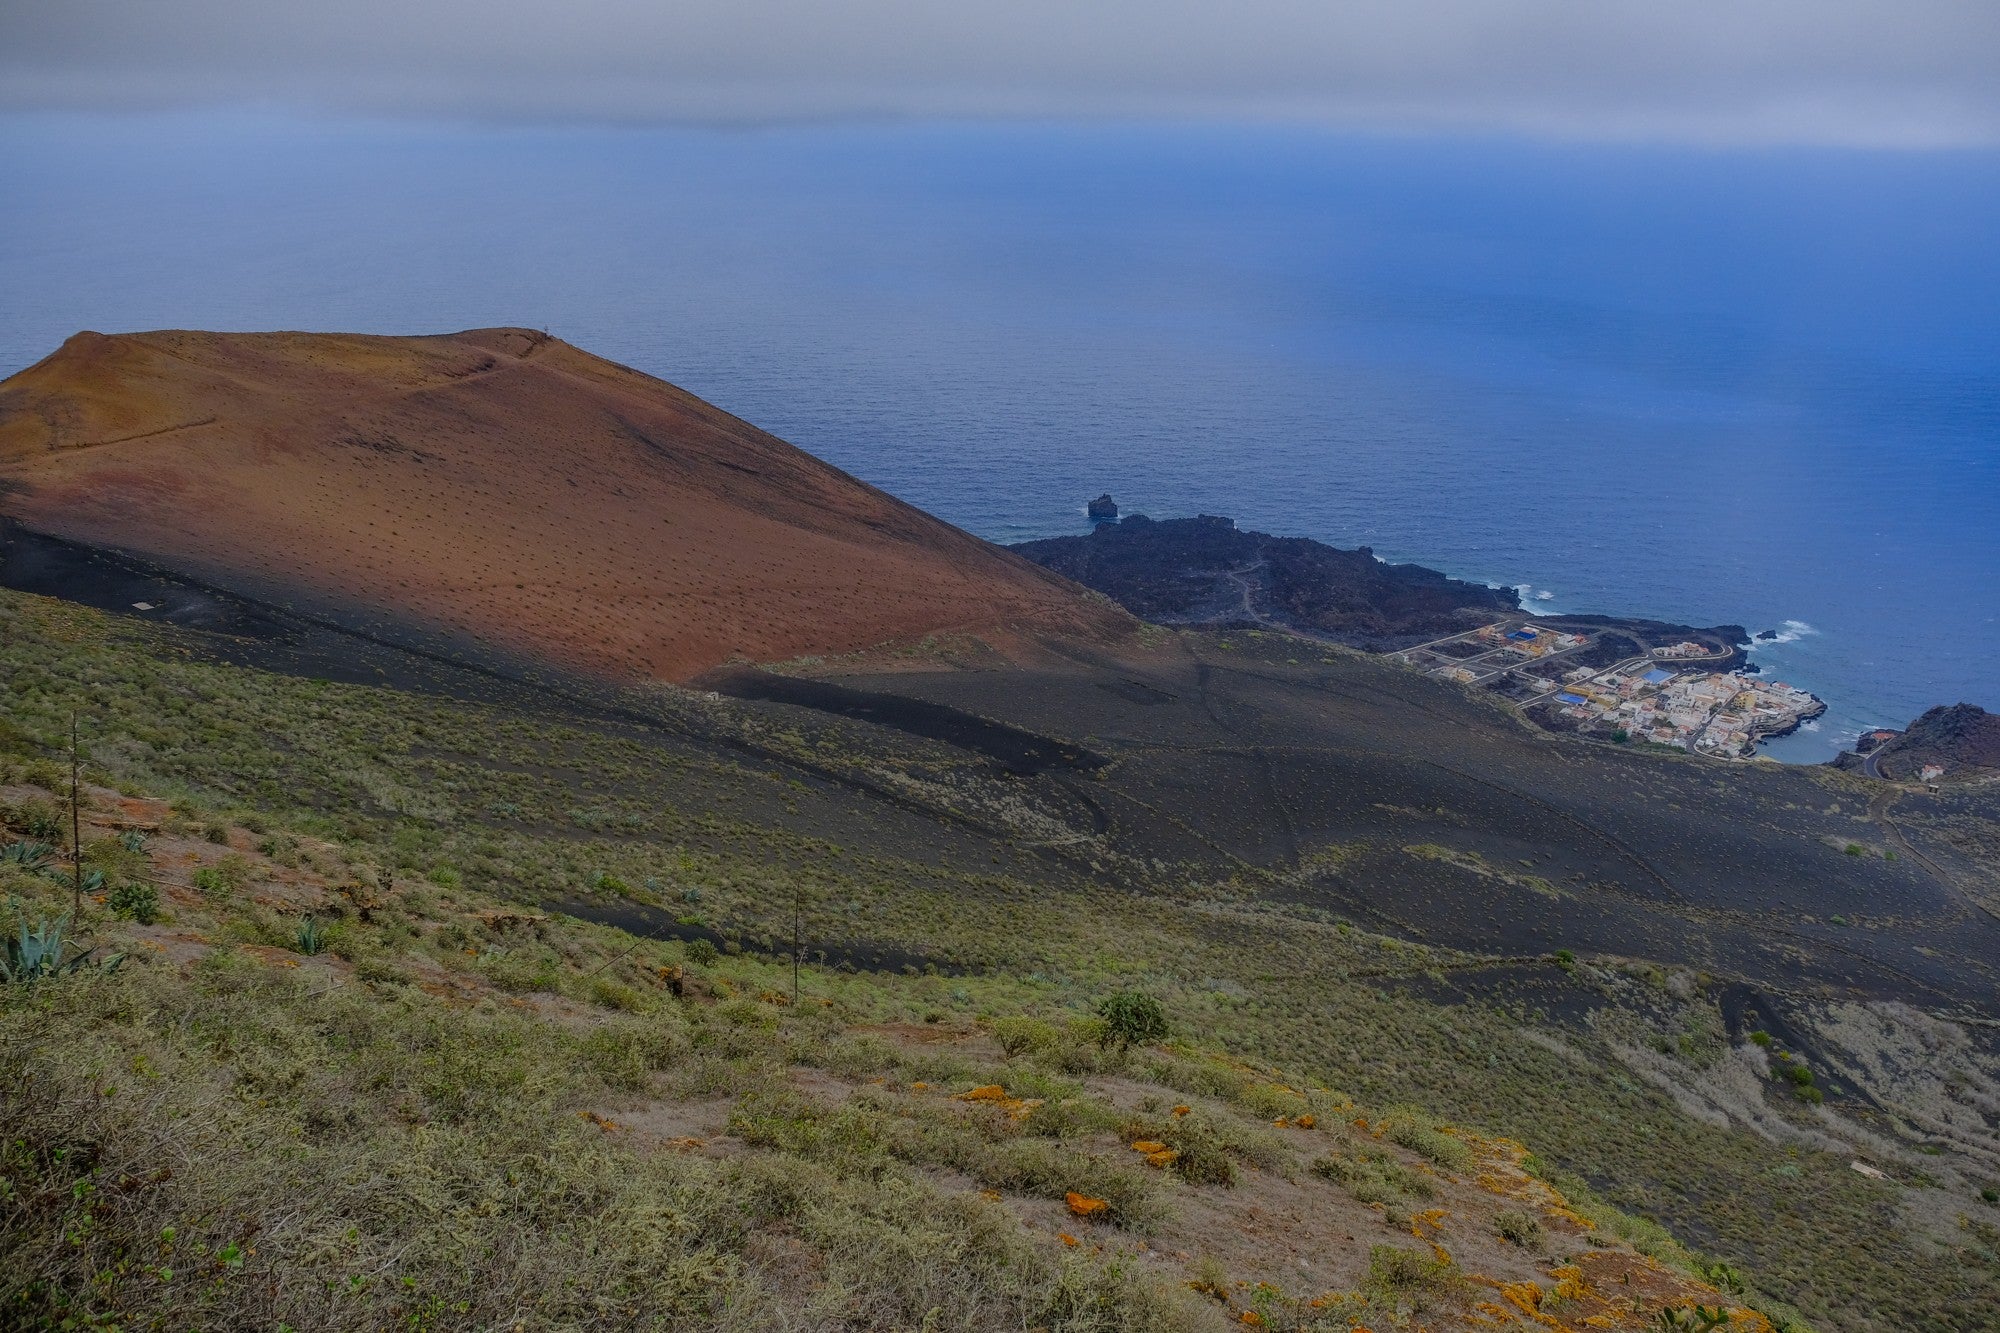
point(1958, 742)
point(1207, 571)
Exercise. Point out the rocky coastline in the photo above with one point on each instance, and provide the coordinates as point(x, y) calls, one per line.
point(1945, 744)
point(1206, 572)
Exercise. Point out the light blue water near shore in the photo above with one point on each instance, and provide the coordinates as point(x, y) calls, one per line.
point(1760, 387)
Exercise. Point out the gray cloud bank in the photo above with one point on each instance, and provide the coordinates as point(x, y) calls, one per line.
point(1898, 73)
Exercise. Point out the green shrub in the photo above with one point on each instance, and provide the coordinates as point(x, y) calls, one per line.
point(1185, 1071)
point(1050, 1169)
point(702, 953)
point(135, 901)
point(1269, 1101)
point(1373, 1176)
point(1202, 1152)
point(1519, 1227)
point(1132, 1018)
point(1019, 1034)
point(1423, 1135)
point(210, 882)
point(38, 817)
point(520, 972)
point(1073, 1048)
point(15, 741)
point(626, 1054)
point(615, 994)
point(1400, 1274)
point(851, 1139)
point(1066, 1117)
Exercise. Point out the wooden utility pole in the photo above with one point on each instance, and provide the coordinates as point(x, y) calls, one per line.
point(75, 821)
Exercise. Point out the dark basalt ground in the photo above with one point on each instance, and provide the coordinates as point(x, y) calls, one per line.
point(1014, 750)
point(1181, 570)
point(1400, 803)
point(1207, 571)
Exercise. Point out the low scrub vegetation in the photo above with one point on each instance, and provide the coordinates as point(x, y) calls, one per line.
point(411, 1087)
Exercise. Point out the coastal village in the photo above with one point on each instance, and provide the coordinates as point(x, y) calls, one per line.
point(1663, 694)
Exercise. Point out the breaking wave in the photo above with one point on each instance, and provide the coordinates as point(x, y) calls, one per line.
point(1792, 632)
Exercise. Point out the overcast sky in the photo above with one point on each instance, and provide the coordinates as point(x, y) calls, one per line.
point(1868, 72)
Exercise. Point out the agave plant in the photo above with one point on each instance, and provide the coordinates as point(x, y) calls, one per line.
point(36, 857)
point(132, 840)
point(37, 955)
point(311, 939)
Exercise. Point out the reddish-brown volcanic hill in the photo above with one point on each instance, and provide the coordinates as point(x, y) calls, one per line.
point(499, 485)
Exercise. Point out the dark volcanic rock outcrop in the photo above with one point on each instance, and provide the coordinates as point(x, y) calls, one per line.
point(1206, 570)
point(1963, 740)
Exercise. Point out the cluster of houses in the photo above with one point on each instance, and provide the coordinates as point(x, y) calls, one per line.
point(1719, 713)
point(1529, 641)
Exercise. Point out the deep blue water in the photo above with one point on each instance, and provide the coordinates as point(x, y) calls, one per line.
point(1760, 387)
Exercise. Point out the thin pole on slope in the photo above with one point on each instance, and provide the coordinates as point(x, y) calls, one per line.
point(75, 823)
point(795, 946)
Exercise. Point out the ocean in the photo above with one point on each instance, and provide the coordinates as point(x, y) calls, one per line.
point(1751, 386)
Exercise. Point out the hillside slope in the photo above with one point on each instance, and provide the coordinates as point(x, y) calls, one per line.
point(499, 490)
point(347, 1098)
point(1600, 953)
